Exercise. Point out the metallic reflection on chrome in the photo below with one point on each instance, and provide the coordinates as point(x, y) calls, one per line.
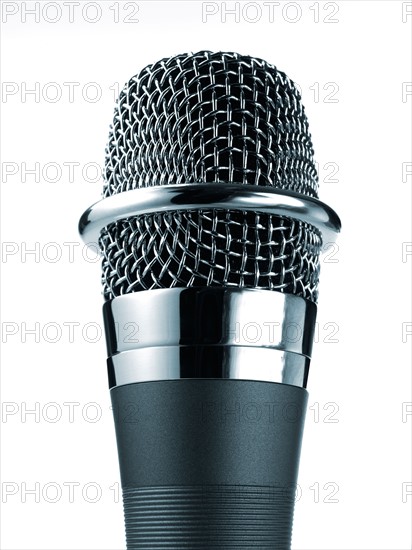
point(209, 333)
point(184, 197)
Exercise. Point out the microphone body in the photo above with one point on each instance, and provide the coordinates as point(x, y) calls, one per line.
point(208, 447)
point(210, 231)
point(212, 479)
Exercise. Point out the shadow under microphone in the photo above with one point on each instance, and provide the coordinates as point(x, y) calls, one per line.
point(210, 230)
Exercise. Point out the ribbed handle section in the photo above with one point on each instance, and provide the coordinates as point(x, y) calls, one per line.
point(208, 517)
point(209, 463)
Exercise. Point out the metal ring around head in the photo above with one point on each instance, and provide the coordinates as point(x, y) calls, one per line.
point(181, 197)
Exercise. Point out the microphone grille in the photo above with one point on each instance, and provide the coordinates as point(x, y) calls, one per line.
point(211, 248)
point(210, 118)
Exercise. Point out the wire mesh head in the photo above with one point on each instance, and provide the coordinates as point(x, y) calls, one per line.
point(210, 118)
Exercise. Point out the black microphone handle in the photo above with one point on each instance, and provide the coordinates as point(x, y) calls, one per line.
point(209, 463)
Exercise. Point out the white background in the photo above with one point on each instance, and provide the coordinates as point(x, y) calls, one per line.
point(358, 430)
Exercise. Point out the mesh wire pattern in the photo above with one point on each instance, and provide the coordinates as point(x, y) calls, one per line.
point(210, 118)
point(208, 248)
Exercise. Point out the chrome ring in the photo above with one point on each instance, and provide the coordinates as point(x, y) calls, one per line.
point(214, 332)
point(213, 316)
point(180, 197)
point(229, 362)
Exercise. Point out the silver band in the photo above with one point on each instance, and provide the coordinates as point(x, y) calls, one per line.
point(268, 200)
point(209, 332)
point(231, 362)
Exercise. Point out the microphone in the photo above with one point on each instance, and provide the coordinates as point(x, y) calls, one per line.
point(210, 230)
